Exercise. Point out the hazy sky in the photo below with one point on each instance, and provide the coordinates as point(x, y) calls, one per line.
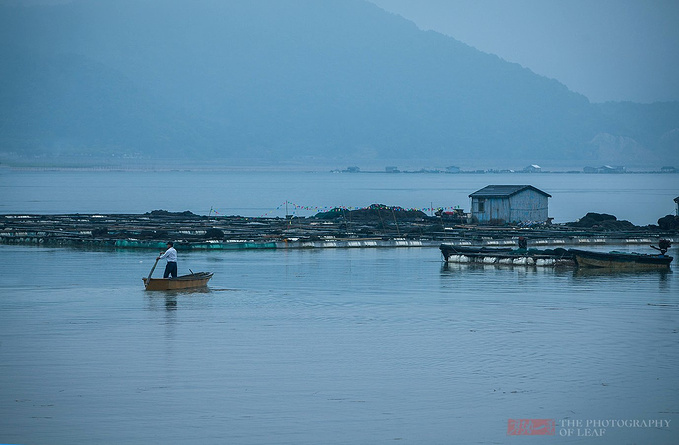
point(605, 49)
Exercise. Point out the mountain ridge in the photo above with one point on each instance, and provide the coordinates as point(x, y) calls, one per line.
point(292, 80)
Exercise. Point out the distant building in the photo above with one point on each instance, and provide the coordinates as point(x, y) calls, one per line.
point(352, 170)
point(452, 169)
point(533, 168)
point(392, 170)
point(609, 169)
point(604, 169)
point(499, 204)
point(676, 205)
point(668, 169)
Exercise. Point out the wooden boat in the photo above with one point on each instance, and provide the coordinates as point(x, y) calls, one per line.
point(620, 260)
point(507, 256)
point(189, 281)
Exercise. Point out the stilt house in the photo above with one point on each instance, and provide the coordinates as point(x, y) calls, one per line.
point(500, 204)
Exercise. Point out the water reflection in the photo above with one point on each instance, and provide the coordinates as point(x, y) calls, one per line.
point(171, 303)
point(526, 270)
point(577, 272)
point(584, 272)
point(159, 301)
point(602, 278)
point(171, 297)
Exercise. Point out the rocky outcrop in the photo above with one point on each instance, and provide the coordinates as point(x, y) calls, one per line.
point(601, 221)
point(669, 222)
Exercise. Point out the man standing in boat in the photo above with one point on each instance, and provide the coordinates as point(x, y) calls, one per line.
point(171, 255)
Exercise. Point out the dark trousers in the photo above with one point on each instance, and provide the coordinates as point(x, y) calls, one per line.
point(170, 269)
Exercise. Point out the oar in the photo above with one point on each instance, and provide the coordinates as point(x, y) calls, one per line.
point(151, 273)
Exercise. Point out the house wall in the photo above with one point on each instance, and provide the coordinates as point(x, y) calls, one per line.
point(527, 205)
point(494, 209)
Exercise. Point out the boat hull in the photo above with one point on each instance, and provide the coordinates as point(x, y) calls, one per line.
point(191, 281)
point(505, 256)
point(619, 260)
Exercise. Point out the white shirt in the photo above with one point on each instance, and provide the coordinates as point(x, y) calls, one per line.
point(170, 254)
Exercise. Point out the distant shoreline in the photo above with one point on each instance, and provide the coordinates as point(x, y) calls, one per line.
point(314, 170)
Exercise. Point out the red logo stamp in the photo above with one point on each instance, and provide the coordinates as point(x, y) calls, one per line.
point(531, 427)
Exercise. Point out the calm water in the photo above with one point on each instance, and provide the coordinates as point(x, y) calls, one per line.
point(639, 198)
point(331, 346)
point(350, 346)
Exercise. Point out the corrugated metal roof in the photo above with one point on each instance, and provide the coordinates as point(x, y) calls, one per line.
point(503, 191)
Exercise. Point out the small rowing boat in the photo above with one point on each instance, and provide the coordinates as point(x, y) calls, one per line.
point(620, 260)
point(190, 281)
point(193, 280)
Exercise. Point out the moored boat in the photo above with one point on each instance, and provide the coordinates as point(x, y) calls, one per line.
point(620, 260)
point(507, 256)
point(193, 280)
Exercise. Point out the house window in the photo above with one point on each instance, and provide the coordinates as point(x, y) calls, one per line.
point(482, 205)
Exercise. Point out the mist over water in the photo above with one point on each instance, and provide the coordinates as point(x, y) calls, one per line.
point(639, 198)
